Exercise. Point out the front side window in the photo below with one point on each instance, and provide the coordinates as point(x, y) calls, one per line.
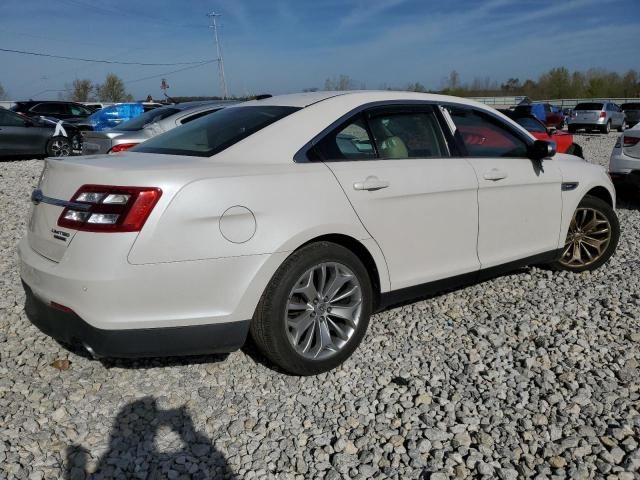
point(78, 111)
point(214, 133)
point(484, 136)
point(50, 109)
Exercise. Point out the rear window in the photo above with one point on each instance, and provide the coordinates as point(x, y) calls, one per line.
point(213, 133)
point(589, 106)
point(630, 106)
point(147, 118)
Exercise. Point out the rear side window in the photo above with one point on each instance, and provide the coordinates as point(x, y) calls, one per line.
point(589, 106)
point(147, 118)
point(50, 109)
point(391, 133)
point(9, 119)
point(630, 106)
point(214, 133)
point(531, 124)
point(484, 136)
point(407, 135)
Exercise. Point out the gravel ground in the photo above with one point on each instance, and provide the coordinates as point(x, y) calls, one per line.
point(533, 374)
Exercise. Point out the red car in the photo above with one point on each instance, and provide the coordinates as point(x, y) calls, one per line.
point(563, 140)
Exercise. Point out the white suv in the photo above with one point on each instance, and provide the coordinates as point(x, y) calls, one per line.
point(295, 218)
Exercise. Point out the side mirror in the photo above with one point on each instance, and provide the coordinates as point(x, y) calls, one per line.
point(541, 149)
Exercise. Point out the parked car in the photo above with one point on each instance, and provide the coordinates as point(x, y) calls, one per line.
point(631, 112)
point(295, 218)
point(601, 116)
point(147, 125)
point(624, 165)
point(563, 140)
point(552, 116)
point(70, 112)
point(112, 116)
point(24, 136)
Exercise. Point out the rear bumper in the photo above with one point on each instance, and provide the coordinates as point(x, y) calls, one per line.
point(67, 327)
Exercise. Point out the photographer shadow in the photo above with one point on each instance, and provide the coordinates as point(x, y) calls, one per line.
point(133, 448)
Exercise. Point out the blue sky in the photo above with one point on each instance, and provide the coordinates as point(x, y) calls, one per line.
point(281, 46)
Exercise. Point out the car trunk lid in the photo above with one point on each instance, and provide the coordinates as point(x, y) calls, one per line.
point(98, 142)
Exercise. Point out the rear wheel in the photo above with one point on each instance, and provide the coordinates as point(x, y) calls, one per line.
point(315, 311)
point(59, 147)
point(607, 127)
point(592, 237)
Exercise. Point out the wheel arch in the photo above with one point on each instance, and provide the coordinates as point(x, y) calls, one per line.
point(363, 253)
point(602, 193)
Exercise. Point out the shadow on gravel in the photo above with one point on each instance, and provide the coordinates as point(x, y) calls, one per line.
point(133, 448)
point(161, 362)
point(627, 198)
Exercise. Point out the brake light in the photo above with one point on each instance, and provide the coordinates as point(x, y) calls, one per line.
point(105, 208)
point(603, 114)
point(122, 147)
point(628, 142)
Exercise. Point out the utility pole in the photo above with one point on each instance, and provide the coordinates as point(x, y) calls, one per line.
point(221, 79)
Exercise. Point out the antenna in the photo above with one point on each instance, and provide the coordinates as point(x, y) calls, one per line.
point(221, 79)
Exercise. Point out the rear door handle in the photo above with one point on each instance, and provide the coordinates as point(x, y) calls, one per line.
point(371, 184)
point(494, 174)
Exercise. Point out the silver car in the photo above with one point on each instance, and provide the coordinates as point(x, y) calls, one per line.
point(602, 116)
point(149, 124)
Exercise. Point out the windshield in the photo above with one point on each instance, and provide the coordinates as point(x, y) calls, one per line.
point(588, 106)
point(530, 124)
point(630, 106)
point(213, 133)
point(147, 118)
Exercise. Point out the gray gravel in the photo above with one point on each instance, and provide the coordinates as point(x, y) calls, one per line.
point(531, 375)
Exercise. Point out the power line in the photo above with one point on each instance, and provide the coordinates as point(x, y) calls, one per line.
point(91, 60)
point(169, 73)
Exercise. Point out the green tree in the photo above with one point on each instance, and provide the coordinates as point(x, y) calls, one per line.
point(416, 87)
point(80, 90)
point(112, 90)
point(630, 84)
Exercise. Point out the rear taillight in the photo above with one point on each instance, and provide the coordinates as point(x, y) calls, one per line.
point(104, 208)
point(122, 147)
point(603, 114)
point(628, 142)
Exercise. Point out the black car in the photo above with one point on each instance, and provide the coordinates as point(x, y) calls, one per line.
point(631, 113)
point(22, 136)
point(68, 111)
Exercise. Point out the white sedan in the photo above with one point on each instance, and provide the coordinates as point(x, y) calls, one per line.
point(294, 218)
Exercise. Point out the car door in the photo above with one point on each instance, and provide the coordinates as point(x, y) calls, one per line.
point(417, 201)
point(19, 136)
point(519, 199)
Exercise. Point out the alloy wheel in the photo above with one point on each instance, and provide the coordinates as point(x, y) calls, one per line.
point(588, 238)
point(59, 148)
point(323, 310)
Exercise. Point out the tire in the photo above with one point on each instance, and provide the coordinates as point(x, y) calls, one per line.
point(59, 147)
point(621, 127)
point(572, 129)
point(272, 326)
point(606, 128)
point(591, 210)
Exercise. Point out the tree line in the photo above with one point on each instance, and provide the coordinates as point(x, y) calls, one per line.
point(558, 82)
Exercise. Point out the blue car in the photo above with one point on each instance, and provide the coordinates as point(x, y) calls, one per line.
point(113, 115)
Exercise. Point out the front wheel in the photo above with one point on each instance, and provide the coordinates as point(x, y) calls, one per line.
point(59, 147)
point(621, 127)
point(315, 311)
point(592, 238)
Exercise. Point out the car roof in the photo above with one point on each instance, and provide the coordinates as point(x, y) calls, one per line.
point(201, 103)
point(306, 99)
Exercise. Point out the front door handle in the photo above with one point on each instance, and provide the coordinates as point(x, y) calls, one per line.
point(494, 174)
point(371, 184)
